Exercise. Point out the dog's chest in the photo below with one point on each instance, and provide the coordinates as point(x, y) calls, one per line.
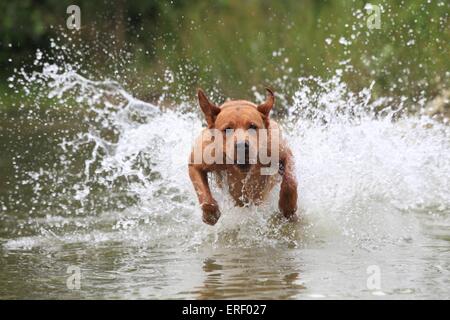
point(247, 187)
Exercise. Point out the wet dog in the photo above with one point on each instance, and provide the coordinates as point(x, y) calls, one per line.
point(245, 150)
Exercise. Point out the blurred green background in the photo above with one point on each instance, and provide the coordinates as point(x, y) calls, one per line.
point(235, 45)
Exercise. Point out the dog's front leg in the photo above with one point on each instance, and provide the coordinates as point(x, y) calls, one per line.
point(288, 192)
point(199, 178)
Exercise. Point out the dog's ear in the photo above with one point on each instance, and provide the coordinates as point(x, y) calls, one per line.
point(267, 106)
point(209, 109)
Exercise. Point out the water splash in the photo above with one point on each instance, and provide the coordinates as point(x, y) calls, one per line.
point(365, 167)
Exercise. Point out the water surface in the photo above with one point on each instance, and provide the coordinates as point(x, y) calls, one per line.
point(103, 187)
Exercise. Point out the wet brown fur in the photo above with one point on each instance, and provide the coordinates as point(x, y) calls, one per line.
point(245, 186)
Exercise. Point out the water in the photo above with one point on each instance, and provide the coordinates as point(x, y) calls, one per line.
point(104, 188)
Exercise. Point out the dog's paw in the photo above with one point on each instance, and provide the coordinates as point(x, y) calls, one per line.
point(211, 213)
point(289, 213)
point(292, 218)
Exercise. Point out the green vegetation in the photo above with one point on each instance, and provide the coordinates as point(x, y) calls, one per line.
point(234, 45)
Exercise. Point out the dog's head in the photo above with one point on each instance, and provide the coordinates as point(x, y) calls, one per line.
point(241, 124)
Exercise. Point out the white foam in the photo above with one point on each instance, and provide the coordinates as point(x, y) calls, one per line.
point(362, 175)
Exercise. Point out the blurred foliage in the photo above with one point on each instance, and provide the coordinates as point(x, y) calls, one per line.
point(233, 45)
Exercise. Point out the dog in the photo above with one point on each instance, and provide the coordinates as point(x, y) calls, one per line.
point(235, 142)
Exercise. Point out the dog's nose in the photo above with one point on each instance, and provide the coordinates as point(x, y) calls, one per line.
point(242, 152)
point(242, 145)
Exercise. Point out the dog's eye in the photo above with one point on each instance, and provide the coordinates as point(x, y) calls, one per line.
point(253, 126)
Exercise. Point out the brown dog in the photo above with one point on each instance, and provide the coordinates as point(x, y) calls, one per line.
point(239, 134)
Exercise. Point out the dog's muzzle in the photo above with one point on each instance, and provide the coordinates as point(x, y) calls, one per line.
point(243, 155)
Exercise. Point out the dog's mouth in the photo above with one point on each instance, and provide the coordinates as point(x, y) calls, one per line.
point(245, 163)
point(244, 166)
